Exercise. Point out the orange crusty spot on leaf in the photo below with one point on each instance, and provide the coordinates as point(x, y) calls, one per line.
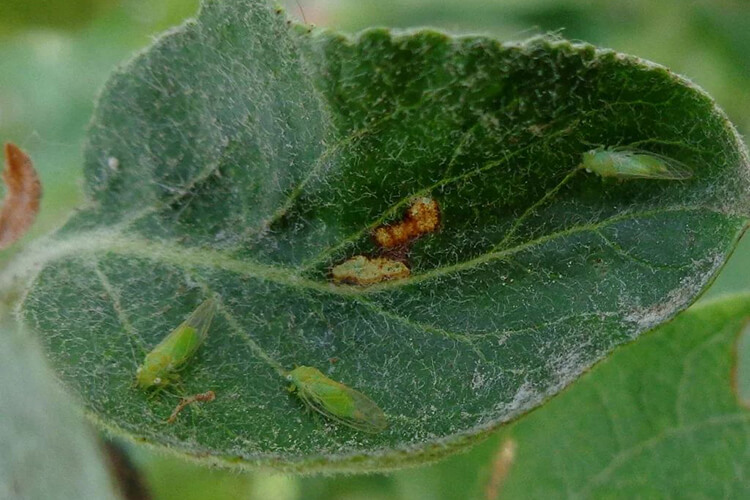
point(21, 203)
point(423, 217)
point(361, 270)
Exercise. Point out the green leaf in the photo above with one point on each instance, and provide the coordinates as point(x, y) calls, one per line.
point(244, 156)
point(659, 419)
point(47, 450)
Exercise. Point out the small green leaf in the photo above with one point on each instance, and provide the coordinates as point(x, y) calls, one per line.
point(247, 157)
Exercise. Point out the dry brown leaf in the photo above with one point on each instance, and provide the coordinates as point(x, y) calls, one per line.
point(21, 203)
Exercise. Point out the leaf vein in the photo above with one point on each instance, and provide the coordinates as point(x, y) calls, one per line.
point(466, 339)
point(393, 209)
point(502, 254)
point(122, 316)
point(624, 456)
point(627, 255)
point(254, 346)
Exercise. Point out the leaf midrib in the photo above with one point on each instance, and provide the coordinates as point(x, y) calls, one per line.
point(118, 243)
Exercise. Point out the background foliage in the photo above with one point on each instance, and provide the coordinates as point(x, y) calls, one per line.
point(53, 60)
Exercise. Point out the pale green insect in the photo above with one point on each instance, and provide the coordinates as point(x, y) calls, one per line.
point(161, 364)
point(336, 401)
point(633, 165)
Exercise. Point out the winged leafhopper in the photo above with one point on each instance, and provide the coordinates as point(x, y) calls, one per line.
point(160, 367)
point(336, 401)
point(625, 164)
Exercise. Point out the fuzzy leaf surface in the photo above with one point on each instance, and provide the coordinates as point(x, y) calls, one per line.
point(245, 156)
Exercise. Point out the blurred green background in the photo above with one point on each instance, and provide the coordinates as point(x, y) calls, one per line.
point(56, 54)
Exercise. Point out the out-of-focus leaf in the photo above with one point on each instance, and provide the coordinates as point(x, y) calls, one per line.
point(658, 419)
point(46, 450)
point(741, 372)
point(59, 14)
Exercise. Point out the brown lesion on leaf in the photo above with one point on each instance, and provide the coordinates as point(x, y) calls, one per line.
point(21, 203)
point(422, 217)
point(204, 397)
point(362, 270)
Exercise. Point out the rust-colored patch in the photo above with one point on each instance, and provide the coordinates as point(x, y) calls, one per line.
point(361, 270)
point(501, 464)
point(423, 217)
point(21, 202)
point(205, 397)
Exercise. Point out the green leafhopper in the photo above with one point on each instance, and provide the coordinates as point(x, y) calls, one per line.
point(160, 365)
point(336, 401)
point(633, 165)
